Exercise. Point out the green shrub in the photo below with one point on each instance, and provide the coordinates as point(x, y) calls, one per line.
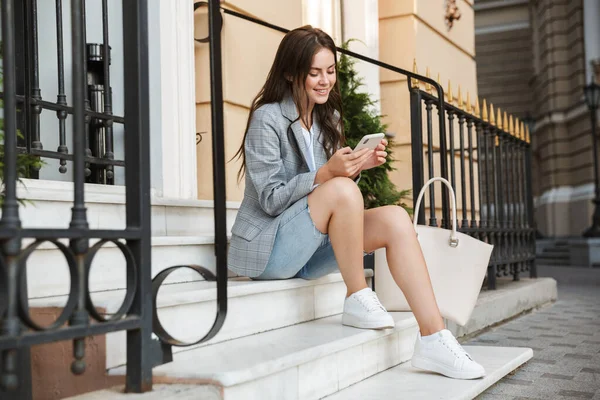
point(361, 119)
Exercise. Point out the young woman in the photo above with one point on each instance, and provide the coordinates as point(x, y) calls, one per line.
point(303, 215)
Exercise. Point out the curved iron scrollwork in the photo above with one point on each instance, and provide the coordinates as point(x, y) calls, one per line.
point(199, 137)
point(158, 328)
point(132, 277)
point(199, 4)
point(74, 289)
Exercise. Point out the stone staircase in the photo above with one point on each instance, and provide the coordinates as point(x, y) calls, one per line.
point(284, 340)
point(552, 252)
point(281, 339)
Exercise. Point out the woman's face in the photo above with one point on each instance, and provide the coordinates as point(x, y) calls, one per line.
point(321, 77)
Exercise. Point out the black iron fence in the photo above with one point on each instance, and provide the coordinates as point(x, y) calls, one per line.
point(89, 114)
point(490, 168)
point(99, 156)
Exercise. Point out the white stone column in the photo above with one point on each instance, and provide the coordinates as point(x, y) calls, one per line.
point(324, 14)
point(178, 101)
point(591, 29)
point(360, 20)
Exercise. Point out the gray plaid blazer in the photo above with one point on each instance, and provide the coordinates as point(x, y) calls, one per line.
point(277, 175)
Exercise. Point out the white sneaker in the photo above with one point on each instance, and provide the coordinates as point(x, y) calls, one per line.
point(363, 310)
point(445, 356)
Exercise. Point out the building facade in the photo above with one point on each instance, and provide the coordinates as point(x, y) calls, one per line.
point(534, 59)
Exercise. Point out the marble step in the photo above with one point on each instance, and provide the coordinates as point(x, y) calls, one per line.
point(48, 275)
point(405, 382)
point(187, 310)
point(305, 361)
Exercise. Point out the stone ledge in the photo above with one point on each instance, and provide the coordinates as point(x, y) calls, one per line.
point(510, 299)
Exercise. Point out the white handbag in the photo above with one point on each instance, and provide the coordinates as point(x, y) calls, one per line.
point(456, 262)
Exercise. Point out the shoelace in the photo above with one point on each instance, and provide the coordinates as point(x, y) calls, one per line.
point(452, 344)
point(371, 302)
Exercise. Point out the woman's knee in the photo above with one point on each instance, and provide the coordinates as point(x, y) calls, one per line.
point(397, 220)
point(342, 191)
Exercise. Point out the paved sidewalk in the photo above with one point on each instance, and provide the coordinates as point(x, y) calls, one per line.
point(565, 338)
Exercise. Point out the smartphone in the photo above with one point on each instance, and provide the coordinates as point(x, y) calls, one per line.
point(369, 141)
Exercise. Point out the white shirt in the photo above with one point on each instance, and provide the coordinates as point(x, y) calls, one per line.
point(308, 140)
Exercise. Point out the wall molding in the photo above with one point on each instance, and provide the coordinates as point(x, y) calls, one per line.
point(501, 28)
point(178, 100)
point(565, 194)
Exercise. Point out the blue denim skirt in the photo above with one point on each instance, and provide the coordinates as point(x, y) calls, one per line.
point(300, 249)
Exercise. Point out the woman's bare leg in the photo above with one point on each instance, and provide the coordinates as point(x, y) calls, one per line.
point(391, 227)
point(337, 208)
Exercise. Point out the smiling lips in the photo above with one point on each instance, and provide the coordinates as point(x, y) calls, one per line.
point(322, 92)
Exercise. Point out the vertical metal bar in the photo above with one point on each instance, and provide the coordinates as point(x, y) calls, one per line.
point(444, 165)
point(61, 99)
point(463, 187)
point(12, 361)
point(489, 173)
point(216, 106)
point(510, 192)
point(471, 171)
point(496, 213)
point(107, 94)
point(416, 126)
point(36, 94)
point(452, 154)
point(432, 218)
point(137, 176)
point(10, 206)
point(480, 170)
point(87, 107)
point(79, 218)
point(79, 246)
point(499, 185)
point(530, 216)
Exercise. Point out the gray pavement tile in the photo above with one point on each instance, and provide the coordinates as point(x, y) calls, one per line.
point(557, 319)
point(576, 394)
point(525, 398)
point(558, 376)
point(571, 346)
point(542, 361)
point(519, 339)
point(514, 381)
point(491, 341)
point(540, 328)
point(591, 370)
point(581, 333)
point(578, 356)
point(591, 342)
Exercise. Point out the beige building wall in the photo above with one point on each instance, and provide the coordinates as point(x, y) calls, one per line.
point(247, 53)
point(415, 30)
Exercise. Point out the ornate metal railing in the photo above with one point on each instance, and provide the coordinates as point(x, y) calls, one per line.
point(99, 157)
point(490, 169)
point(501, 210)
point(79, 317)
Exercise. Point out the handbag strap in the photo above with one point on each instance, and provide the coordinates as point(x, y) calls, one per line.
point(453, 238)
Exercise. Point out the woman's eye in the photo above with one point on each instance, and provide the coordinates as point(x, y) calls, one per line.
point(331, 72)
point(314, 75)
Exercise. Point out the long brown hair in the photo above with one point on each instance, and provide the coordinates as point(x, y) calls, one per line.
point(287, 76)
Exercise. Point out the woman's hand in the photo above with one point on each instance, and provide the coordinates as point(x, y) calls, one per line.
point(344, 162)
point(377, 157)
